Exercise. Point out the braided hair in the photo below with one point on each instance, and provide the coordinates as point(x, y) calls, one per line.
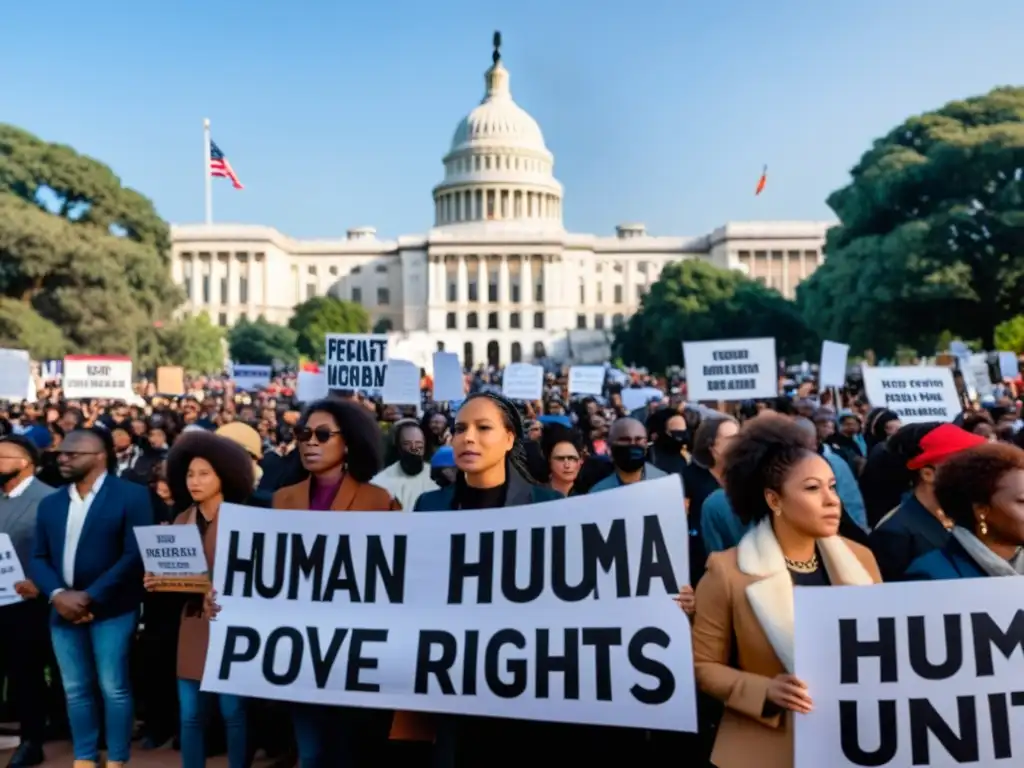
point(513, 422)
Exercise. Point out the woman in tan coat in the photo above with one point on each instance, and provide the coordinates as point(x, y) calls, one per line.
point(340, 446)
point(743, 627)
point(203, 471)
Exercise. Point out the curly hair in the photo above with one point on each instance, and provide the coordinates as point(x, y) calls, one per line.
point(970, 477)
point(230, 462)
point(513, 421)
point(364, 455)
point(759, 458)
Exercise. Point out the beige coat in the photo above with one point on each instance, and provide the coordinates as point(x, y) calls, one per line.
point(743, 637)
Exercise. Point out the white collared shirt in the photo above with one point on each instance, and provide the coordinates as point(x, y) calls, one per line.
point(78, 510)
point(21, 487)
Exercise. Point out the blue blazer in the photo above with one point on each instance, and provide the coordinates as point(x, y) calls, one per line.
point(950, 562)
point(107, 562)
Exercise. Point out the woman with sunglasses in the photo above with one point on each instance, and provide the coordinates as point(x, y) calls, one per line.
point(340, 446)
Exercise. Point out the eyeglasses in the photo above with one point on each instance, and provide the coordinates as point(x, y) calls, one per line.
point(75, 454)
point(322, 434)
point(566, 459)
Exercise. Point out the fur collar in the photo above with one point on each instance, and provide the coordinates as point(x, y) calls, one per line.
point(771, 597)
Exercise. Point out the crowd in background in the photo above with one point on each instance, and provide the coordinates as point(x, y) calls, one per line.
point(875, 481)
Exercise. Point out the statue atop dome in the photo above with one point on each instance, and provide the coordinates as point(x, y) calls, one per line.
point(496, 56)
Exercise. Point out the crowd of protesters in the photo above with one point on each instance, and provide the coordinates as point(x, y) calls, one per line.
point(803, 488)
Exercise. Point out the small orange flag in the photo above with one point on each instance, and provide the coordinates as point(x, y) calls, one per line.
point(761, 182)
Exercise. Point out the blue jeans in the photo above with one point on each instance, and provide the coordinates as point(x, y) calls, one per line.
point(96, 655)
point(340, 737)
point(195, 714)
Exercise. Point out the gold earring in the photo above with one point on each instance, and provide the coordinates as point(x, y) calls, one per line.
point(982, 526)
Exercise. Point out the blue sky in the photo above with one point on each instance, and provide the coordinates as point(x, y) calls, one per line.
point(336, 114)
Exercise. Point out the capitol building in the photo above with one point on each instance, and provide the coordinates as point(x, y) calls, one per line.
point(497, 279)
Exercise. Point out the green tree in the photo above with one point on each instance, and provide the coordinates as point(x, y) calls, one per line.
point(21, 328)
point(931, 233)
point(262, 343)
point(320, 315)
point(1010, 335)
point(194, 343)
point(80, 253)
point(697, 301)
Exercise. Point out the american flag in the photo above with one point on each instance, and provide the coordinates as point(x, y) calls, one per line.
point(219, 166)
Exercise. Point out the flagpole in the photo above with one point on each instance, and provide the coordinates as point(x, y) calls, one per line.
point(206, 171)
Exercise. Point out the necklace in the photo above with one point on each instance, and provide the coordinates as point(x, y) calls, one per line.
point(803, 566)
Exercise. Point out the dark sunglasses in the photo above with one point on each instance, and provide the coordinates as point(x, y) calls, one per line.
point(322, 434)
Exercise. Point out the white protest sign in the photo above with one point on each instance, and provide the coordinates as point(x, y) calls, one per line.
point(449, 383)
point(523, 381)
point(914, 673)
point(356, 361)
point(11, 571)
point(97, 376)
point(1009, 368)
point(310, 386)
point(976, 375)
point(731, 369)
point(586, 379)
point(915, 393)
point(249, 378)
point(401, 383)
point(832, 368)
point(560, 612)
point(633, 398)
point(16, 376)
point(171, 550)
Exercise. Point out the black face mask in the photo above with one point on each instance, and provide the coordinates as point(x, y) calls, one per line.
point(629, 458)
point(411, 463)
point(6, 477)
point(673, 440)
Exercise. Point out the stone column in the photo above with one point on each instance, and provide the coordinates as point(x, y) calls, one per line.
point(483, 279)
point(462, 280)
point(503, 280)
point(234, 272)
point(526, 279)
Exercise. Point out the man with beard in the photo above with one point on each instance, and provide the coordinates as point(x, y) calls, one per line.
point(24, 640)
point(86, 562)
point(408, 477)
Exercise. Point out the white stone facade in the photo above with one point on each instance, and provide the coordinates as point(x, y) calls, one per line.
point(497, 279)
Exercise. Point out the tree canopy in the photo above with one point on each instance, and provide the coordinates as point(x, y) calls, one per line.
point(320, 315)
point(262, 343)
point(194, 343)
point(931, 233)
point(84, 260)
point(697, 301)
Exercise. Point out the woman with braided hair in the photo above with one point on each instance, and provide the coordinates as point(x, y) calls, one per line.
point(490, 458)
point(491, 472)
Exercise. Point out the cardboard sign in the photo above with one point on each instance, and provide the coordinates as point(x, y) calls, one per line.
point(174, 554)
point(170, 380)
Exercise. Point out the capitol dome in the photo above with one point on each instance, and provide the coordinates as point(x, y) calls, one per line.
point(498, 167)
point(498, 119)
